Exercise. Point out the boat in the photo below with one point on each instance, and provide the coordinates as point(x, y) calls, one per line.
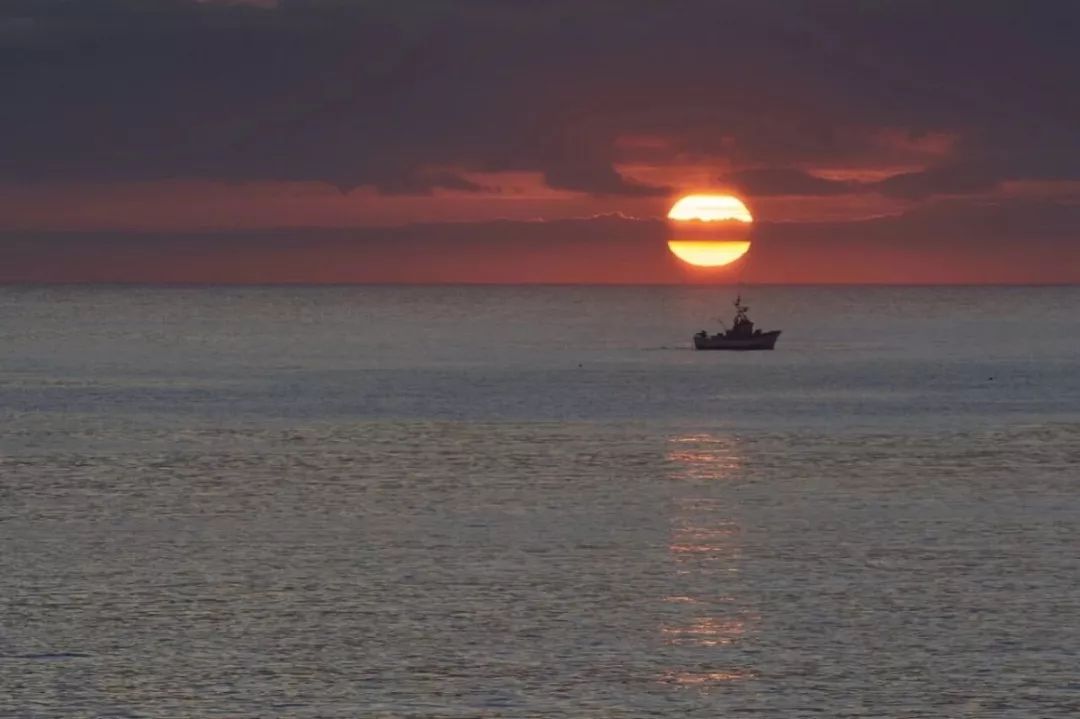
point(741, 336)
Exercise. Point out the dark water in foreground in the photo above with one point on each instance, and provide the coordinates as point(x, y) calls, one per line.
point(523, 502)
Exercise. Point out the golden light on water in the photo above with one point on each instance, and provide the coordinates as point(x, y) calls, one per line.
point(705, 632)
point(708, 254)
point(710, 208)
point(705, 456)
point(705, 546)
point(714, 677)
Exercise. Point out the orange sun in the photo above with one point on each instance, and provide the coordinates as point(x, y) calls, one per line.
point(708, 254)
point(710, 208)
point(709, 230)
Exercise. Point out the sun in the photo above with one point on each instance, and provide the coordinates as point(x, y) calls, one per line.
point(708, 254)
point(710, 208)
point(709, 230)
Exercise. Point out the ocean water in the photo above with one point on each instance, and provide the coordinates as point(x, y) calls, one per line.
point(538, 502)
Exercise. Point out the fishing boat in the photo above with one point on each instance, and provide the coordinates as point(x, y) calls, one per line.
point(741, 336)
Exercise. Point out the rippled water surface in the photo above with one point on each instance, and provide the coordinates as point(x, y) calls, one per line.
point(525, 502)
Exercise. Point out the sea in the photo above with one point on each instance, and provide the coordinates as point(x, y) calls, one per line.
point(538, 501)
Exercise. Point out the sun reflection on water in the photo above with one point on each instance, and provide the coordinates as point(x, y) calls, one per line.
point(706, 632)
point(706, 625)
point(700, 678)
point(704, 457)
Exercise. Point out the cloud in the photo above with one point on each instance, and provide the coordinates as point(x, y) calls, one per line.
point(426, 182)
point(951, 241)
point(934, 181)
point(411, 97)
point(764, 182)
point(599, 179)
point(947, 180)
point(269, 4)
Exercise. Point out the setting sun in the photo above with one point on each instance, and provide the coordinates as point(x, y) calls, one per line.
point(709, 230)
point(708, 254)
point(710, 208)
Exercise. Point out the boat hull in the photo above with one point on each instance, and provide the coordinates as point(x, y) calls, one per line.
point(763, 341)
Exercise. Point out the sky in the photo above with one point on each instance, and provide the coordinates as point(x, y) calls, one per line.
point(253, 141)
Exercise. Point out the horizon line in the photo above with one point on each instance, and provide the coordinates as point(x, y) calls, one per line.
point(688, 285)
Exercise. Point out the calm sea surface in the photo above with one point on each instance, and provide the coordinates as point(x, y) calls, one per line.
point(538, 502)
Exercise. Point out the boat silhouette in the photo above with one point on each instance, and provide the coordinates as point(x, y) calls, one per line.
point(741, 336)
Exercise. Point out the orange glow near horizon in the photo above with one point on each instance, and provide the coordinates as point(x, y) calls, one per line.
point(710, 208)
point(708, 254)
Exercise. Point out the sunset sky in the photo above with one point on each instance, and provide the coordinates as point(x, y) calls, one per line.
point(536, 141)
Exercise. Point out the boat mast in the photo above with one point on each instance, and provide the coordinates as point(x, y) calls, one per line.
point(740, 310)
